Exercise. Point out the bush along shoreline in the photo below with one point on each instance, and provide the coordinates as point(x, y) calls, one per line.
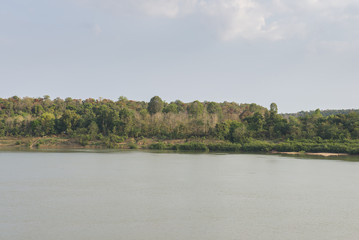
point(185, 145)
point(264, 147)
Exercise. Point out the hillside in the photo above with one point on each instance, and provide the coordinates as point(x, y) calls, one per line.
point(325, 113)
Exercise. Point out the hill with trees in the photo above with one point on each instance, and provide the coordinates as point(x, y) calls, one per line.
point(108, 123)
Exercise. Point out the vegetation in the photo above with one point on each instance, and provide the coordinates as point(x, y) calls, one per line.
point(325, 113)
point(226, 126)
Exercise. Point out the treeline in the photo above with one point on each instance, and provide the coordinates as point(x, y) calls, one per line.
point(325, 113)
point(92, 119)
point(125, 118)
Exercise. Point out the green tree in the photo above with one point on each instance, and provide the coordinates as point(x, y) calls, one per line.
point(213, 108)
point(155, 105)
point(273, 108)
point(172, 107)
point(239, 133)
point(317, 114)
point(37, 109)
point(93, 130)
point(106, 119)
point(180, 105)
point(126, 121)
point(36, 128)
point(275, 125)
point(255, 122)
point(69, 120)
point(47, 121)
point(222, 130)
point(195, 109)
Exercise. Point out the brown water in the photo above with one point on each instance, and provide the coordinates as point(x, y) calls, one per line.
point(160, 196)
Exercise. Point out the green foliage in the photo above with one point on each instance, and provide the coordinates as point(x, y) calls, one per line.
point(180, 105)
point(257, 146)
point(324, 113)
point(250, 126)
point(273, 108)
point(224, 147)
point(132, 146)
point(318, 146)
point(171, 108)
point(84, 139)
point(255, 123)
point(233, 131)
point(69, 120)
point(238, 132)
point(47, 121)
point(93, 130)
point(158, 146)
point(222, 130)
point(112, 141)
point(125, 122)
point(155, 105)
point(106, 119)
point(192, 146)
point(195, 109)
point(213, 108)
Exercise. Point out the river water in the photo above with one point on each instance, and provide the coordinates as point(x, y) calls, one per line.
point(135, 195)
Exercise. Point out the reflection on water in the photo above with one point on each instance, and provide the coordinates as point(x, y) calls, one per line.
point(145, 195)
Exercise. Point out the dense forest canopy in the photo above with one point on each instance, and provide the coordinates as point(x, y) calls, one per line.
point(238, 123)
point(325, 113)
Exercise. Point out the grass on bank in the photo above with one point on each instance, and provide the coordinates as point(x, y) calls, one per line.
point(350, 147)
point(194, 144)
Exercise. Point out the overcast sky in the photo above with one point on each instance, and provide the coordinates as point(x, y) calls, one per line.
point(301, 55)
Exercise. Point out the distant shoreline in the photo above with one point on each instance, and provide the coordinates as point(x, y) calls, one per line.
point(196, 145)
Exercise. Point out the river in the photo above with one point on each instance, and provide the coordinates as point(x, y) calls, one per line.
point(134, 195)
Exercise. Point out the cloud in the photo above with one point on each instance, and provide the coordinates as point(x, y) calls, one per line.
point(248, 19)
point(240, 18)
point(96, 29)
point(168, 8)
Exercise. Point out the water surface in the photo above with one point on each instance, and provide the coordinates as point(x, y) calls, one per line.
point(160, 196)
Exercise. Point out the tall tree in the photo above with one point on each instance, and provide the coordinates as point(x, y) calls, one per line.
point(155, 105)
point(195, 109)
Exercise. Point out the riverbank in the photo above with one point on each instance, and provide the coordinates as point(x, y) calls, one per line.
point(111, 142)
point(322, 154)
point(325, 148)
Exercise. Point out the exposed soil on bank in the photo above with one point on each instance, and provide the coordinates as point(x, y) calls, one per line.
point(313, 154)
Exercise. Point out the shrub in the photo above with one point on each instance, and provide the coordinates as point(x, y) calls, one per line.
point(257, 146)
point(84, 139)
point(224, 147)
point(192, 146)
point(132, 146)
point(158, 146)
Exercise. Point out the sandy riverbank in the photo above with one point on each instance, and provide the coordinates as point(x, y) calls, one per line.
point(314, 154)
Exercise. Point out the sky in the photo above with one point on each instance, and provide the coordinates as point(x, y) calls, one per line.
point(302, 55)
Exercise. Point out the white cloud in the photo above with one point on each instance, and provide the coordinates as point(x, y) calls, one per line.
point(97, 29)
point(248, 19)
point(233, 18)
point(168, 8)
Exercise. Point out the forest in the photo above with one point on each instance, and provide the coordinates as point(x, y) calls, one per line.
point(226, 126)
